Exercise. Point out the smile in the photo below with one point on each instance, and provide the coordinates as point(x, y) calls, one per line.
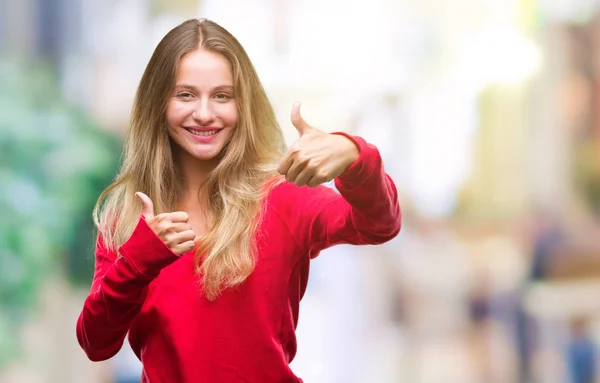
point(203, 133)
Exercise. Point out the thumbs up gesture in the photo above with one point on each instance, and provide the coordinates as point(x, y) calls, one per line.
point(172, 228)
point(317, 157)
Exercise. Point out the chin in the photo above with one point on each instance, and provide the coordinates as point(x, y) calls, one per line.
point(207, 155)
point(199, 152)
point(204, 156)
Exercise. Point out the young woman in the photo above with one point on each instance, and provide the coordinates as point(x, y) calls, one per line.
point(205, 269)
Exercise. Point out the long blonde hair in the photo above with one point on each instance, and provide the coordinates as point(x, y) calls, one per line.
point(236, 187)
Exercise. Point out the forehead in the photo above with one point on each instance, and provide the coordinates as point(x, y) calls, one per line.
point(202, 66)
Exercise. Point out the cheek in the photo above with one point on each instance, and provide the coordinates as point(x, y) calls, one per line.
point(230, 115)
point(176, 114)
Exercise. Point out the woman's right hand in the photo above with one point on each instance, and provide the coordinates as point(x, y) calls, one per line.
point(172, 228)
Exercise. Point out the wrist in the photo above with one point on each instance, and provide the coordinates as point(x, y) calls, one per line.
point(352, 148)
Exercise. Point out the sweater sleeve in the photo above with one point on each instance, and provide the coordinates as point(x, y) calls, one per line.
point(118, 290)
point(365, 212)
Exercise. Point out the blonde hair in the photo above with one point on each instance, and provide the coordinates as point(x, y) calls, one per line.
point(236, 187)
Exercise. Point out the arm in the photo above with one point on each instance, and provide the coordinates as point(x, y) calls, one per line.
point(118, 291)
point(366, 211)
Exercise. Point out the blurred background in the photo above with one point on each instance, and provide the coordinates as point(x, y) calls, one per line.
point(487, 114)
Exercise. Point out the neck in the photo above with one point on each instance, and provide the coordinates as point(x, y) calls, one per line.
point(193, 172)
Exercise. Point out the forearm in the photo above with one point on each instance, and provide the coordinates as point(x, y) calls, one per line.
point(119, 290)
point(110, 309)
point(373, 208)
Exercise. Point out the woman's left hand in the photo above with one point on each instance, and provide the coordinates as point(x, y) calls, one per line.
point(317, 157)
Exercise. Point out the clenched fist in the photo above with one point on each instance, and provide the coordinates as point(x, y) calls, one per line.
point(172, 228)
point(317, 157)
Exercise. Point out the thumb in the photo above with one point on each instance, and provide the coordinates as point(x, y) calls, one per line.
point(301, 126)
point(147, 205)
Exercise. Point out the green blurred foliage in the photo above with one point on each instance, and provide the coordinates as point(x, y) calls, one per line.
point(54, 162)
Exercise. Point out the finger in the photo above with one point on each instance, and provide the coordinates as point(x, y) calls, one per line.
point(305, 175)
point(147, 205)
point(175, 239)
point(180, 227)
point(315, 181)
point(184, 247)
point(285, 164)
point(184, 236)
point(294, 170)
point(301, 126)
point(177, 216)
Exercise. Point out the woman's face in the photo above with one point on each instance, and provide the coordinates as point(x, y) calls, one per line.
point(202, 111)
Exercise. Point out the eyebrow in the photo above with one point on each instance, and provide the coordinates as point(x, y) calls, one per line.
point(191, 87)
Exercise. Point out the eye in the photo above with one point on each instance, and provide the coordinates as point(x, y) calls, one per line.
point(184, 95)
point(223, 96)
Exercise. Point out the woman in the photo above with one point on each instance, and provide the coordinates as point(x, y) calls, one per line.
point(206, 272)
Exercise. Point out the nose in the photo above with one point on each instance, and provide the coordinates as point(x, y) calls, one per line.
point(203, 113)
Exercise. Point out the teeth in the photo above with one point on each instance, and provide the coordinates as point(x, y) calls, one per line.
point(202, 133)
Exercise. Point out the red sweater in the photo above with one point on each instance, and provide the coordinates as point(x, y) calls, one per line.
point(247, 334)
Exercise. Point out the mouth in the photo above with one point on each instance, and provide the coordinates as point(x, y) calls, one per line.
point(204, 132)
